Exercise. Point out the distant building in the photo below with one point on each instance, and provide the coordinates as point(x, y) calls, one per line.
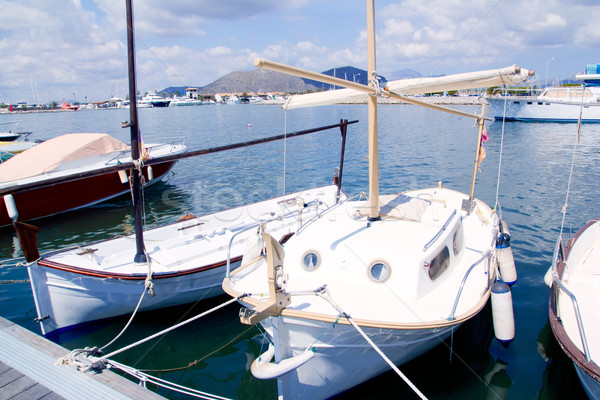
point(191, 93)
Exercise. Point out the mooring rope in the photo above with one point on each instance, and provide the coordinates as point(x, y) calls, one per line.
point(196, 361)
point(164, 331)
point(144, 378)
point(6, 282)
point(128, 322)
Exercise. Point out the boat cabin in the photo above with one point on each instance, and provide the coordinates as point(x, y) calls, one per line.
point(568, 94)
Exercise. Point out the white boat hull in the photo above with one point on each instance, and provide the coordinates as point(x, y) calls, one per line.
point(188, 262)
point(532, 109)
point(70, 299)
point(342, 356)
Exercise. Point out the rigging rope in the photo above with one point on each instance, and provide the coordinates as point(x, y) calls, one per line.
point(496, 205)
point(284, 148)
point(565, 206)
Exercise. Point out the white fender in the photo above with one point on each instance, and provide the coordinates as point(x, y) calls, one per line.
point(263, 368)
point(502, 313)
point(504, 253)
point(150, 172)
point(548, 278)
point(123, 177)
point(11, 207)
point(506, 260)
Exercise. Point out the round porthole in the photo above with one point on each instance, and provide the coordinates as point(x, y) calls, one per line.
point(379, 272)
point(311, 260)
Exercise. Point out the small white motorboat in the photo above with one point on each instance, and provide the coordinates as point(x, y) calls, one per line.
point(8, 132)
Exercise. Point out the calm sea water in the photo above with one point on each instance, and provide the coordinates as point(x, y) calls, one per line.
point(419, 147)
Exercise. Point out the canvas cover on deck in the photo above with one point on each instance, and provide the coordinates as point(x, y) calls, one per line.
point(49, 155)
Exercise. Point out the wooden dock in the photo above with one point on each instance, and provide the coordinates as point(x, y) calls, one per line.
point(28, 371)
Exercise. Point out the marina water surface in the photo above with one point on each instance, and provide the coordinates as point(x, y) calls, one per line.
point(418, 148)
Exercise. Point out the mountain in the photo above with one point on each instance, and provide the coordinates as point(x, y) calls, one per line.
point(258, 81)
point(348, 73)
point(250, 81)
point(269, 81)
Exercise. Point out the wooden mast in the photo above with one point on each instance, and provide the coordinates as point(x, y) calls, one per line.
point(140, 254)
point(481, 126)
point(372, 101)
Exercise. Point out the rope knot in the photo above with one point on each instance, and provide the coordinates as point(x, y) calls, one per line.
point(83, 359)
point(149, 285)
point(374, 81)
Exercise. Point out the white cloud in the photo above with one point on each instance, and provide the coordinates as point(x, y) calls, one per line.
point(449, 33)
point(72, 46)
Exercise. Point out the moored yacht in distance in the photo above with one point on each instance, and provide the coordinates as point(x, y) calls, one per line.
point(153, 100)
point(68, 107)
point(557, 104)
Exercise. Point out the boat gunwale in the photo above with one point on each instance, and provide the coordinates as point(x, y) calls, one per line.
point(571, 350)
point(138, 276)
point(474, 310)
point(116, 158)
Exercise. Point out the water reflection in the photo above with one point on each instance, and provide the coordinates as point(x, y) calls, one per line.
point(560, 380)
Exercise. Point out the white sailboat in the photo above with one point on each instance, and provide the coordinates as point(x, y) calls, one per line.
point(186, 262)
point(170, 265)
point(370, 284)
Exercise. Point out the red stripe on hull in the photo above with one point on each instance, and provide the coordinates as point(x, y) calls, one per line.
point(83, 271)
point(70, 195)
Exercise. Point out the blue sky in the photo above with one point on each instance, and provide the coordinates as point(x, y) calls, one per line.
point(52, 49)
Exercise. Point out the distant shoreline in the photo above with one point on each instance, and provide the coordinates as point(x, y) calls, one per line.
point(444, 100)
point(43, 110)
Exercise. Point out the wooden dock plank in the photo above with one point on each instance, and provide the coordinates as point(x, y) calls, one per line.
point(49, 396)
point(37, 392)
point(28, 371)
point(8, 377)
point(19, 385)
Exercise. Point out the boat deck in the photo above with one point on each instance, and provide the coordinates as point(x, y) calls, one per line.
point(28, 371)
point(583, 280)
